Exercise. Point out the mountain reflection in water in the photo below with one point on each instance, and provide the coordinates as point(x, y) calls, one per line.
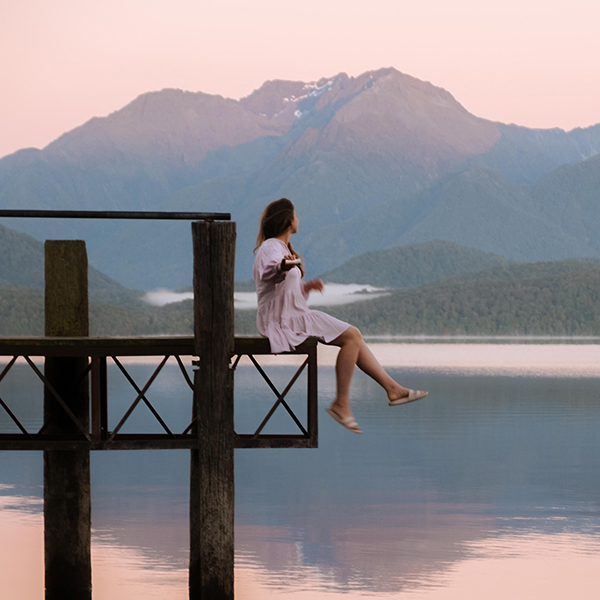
point(488, 488)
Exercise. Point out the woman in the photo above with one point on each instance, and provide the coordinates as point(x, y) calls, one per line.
point(284, 317)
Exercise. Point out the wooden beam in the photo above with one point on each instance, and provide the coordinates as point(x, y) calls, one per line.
point(272, 440)
point(149, 441)
point(131, 346)
point(84, 346)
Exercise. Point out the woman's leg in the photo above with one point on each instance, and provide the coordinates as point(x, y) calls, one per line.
point(349, 342)
point(367, 363)
point(354, 351)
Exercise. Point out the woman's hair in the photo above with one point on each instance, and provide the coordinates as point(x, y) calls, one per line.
point(277, 219)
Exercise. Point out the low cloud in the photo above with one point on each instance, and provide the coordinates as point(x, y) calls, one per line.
point(334, 294)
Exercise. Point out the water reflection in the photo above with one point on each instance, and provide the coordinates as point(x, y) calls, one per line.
point(522, 567)
point(489, 488)
point(120, 571)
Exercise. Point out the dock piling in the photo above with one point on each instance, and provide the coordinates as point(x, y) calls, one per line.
point(211, 477)
point(67, 504)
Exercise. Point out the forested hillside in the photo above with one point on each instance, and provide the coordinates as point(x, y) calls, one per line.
point(546, 299)
point(413, 265)
point(22, 265)
point(22, 314)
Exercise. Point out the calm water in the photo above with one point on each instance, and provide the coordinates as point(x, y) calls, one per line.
point(488, 488)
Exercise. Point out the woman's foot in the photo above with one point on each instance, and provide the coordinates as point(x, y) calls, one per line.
point(413, 396)
point(397, 392)
point(343, 415)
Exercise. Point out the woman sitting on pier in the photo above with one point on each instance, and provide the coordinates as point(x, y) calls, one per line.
point(284, 317)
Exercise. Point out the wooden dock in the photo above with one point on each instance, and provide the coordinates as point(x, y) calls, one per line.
point(77, 405)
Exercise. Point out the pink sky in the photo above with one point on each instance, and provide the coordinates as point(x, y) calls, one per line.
point(531, 62)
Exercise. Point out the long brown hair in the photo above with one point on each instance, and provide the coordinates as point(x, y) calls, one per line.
point(277, 219)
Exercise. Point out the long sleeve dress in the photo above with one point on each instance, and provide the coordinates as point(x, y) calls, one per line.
point(283, 314)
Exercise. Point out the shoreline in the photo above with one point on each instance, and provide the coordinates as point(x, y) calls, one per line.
point(483, 357)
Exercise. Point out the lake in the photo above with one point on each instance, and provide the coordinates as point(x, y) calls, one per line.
point(489, 488)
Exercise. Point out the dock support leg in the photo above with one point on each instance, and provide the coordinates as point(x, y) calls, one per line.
point(212, 496)
point(67, 505)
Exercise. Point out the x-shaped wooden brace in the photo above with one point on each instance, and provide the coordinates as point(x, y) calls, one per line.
point(141, 396)
point(280, 397)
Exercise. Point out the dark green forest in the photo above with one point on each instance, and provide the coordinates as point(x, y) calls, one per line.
point(546, 299)
point(404, 267)
point(22, 314)
point(552, 299)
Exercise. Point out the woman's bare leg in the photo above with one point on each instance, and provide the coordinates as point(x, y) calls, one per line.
point(367, 363)
point(354, 351)
point(349, 343)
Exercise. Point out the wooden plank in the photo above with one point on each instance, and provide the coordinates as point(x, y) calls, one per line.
point(247, 440)
point(132, 346)
point(145, 441)
point(212, 478)
point(67, 502)
point(125, 442)
point(260, 345)
point(81, 346)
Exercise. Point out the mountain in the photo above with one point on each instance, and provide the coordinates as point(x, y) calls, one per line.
point(341, 148)
point(525, 155)
point(570, 196)
point(22, 266)
point(553, 218)
point(413, 265)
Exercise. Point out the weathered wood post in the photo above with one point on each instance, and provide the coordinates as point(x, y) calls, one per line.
point(212, 496)
point(67, 506)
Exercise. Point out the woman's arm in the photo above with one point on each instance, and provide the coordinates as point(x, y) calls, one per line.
point(270, 266)
point(312, 284)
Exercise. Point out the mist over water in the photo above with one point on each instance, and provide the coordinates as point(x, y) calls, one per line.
point(486, 489)
point(333, 294)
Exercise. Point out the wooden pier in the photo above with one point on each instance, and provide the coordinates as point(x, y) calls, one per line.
point(77, 405)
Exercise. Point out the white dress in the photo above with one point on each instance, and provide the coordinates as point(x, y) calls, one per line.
point(283, 315)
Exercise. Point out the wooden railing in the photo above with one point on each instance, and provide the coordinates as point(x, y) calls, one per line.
point(101, 351)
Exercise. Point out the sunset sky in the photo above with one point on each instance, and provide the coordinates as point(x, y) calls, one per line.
point(530, 62)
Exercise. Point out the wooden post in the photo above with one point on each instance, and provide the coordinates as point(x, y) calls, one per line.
point(212, 495)
point(67, 506)
point(313, 393)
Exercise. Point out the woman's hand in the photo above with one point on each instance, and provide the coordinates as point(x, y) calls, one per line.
point(314, 284)
point(283, 267)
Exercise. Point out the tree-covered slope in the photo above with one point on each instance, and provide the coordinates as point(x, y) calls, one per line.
point(413, 265)
point(22, 314)
point(22, 265)
point(556, 298)
point(546, 299)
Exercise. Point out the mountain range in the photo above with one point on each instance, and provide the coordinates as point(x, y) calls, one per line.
point(374, 161)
